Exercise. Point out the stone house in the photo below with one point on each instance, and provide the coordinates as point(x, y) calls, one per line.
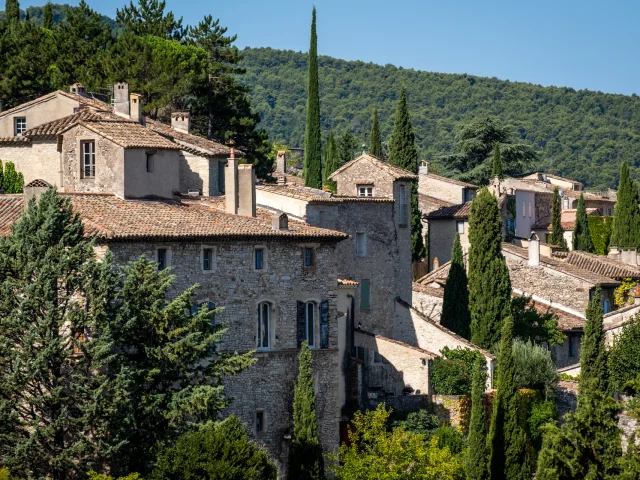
point(543, 227)
point(443, 188)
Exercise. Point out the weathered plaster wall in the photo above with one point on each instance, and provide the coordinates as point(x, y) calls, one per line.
point(428, 304)
point(563, 353)
point(39, 159)
point(442, 232)
point(525, 213)
point(163, 181)
point(47, 111)
point(199, 173)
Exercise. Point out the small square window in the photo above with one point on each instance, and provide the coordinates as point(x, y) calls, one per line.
point(460, 226)
point(162, 258)
point(259, 258)
point(365, 190)
point(20, 125)
point(150, 162)
point(309, 257)
point(207, 259)
point(260, 425)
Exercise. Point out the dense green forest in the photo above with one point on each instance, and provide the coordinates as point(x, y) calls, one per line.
point(59, 11)
point(580, 134)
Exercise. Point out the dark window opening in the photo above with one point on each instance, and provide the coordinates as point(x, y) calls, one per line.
point(162, 258)
point(259, 258)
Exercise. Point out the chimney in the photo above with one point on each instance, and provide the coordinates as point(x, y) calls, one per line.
point(231, 184)
point(534, 250)
point(281, 162)
point(34, 189)
point(280, 221)
point(181, 121)
point(423, 169)
point(121, 99)
point(78, 89)
point(246, 190)
point(135, 106)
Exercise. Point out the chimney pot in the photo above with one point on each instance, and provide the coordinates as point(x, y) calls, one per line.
point(246, 190)
point(280, 221)
point(281, 162)
point(121, 99)
point(78, 89)
point(181, 121)
point(135, 105)
point(424, 168)
point(534, 250)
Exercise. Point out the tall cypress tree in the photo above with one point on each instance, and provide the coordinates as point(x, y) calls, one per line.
point(305, 457)
point(330, 162)
point(625, 232)
point(12, 10)
point(497, 163)
point(581, 234)
point(47, 16)
point(593, 354)
point(557, 232)
point(376, 139)
point(403, 154)
point(455, 307)
point(508, 458)
point(489, 284)
point(476, 461)
point(312, 139)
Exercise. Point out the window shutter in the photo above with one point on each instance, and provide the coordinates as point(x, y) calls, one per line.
point(364, 294)
point(324, 324)
point(301, 323)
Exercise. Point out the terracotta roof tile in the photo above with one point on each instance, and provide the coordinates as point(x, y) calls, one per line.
point(38, 183)
point(202, 145)
point(15, 141)
point(62, 124)
point(440, 273)
point(398, 342)
point(10, 209)
point(456, 211)
point(313, 195)
point(128, 134)
point(434, 292)
point(566, 321)
point(450, 180)
point(396, 172)
point(567, 218)
point(429, 204)
point(602, 265)
point(86, 101)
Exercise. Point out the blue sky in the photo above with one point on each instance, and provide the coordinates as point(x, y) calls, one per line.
point(580, 44)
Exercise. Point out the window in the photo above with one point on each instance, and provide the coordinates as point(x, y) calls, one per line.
point(259, 258)
point(162, 257)
point(20, 125)
point(529, 209)
point(460, 226)
point(606, 306)
point(524, 209)
point(365, 190)
point(221, 171)
point(361, 244)
point(89, 159)
point(150, 162)
point(260, 427)
point(402, 214)
point(310, 318)
point(207, 259)
point(572, 347)
point(365, 291)
point(309, 257)
point(264, 320)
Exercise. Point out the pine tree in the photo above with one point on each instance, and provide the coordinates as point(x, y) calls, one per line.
point(52, 295)
point(1, 177)
point(489, 284)
point(149, 18)
point(508, 458)
point(581, 234)
point(557, 232)
point(455, 308)
point(330, 162)
point(497, 163)
point(403, 154)
point(476, 461)
point(312, 140)
point(625, 232)
point(376, 139)
point(305, 457)
point(47, 16)
point(12, 11)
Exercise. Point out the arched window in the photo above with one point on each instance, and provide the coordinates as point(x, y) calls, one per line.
point(264, 325)
point(310, 323)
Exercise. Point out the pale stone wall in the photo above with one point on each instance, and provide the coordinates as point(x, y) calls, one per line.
point(234, 285)
point(163, 181)
point(441, 189)
point(39, 159)
point(295, 207)
point(429, 305)
point(525, 213)
point(199, 173)
point(365, 173)
point(441, 234)
point(562, 353)
point(46, 111)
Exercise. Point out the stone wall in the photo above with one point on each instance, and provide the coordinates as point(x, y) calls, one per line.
point(427, 303)
point(365, 173)
point(447, 408)
point(38, 159)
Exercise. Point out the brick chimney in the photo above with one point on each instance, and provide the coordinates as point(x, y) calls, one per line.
point(231, 184)
point(181, 121)
point(121, 99)
point(135, 108)
point(246, 190)
point(281, 162)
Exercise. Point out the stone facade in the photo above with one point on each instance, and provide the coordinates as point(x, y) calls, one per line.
point(428, 301)
point(198, 173)
point(34, 159)
point(46, 109)
point(362, 173)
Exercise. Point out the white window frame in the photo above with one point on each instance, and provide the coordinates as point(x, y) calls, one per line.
point(90, 155)
point(261, 322)
point(365, 190)
point(460, 226)
point(19, 125)
point(311, 323)
point(213, 265)
point(361, 250)
point(167, 258)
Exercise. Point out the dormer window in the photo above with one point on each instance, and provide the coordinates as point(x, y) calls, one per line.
point(365, 190)
point(20, 124)
point(88, 159)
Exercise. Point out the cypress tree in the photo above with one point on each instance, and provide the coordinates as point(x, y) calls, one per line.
point(581, 234)
point(489, 285)
point(508, 458)
point(593, 355)
point(626, 221)
point(376, 139)
point(455, 307)
point(47, 16)
point(1, 177)
point(403, 154)
point(476, 461)
point(346, 147)
point(312, 139)
point(330, 162)
point(305, 457)
point(557, 232)
point(497, 163)
point(12, 10)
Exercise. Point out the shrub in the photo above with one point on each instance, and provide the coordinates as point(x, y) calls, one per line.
point(446, 436)
point(422, 421)
point(99, 476)
point(534, 367)
point(624, 356)
point(600, 229)
point(451, 374)
point(541, 414)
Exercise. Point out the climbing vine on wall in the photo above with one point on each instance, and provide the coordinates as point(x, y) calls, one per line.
point(600, 229)
point(624, 294)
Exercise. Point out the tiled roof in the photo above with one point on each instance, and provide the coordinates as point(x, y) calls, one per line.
point(434, 292)
point(439, 274)
point(313, 195)
point(456, 211)
point(15, 141)
point(398, 342)
point(590, 196)
point(427, 202)
point(563, 267)
point(10, 209)
point(567, 218)
point(396, 172)
point(566, 320)
point(450, 180)
point(62, 124)
point(602, 265)
point(128, 134)
point(202, 145)
point(87, 101)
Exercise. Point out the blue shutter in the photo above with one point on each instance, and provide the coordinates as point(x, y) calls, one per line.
point(365, 291)
point(301, 324)
point(324, 324)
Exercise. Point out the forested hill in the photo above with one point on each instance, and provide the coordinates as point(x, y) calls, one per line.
point(59, 11)
point(579, 134)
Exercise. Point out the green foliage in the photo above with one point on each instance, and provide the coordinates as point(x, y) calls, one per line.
point(581, 234)
point(534, 367)
point(476, 466)
point(624, 294)
point(422, 422)
point(557, 232)
point(455, 307)
point(312, 139)
point(375, 148)
point(532, 325)
point(625, 232)
point(593, 355)
point(541, 414)
point(347, 147)
point(450, 438)
point(330, 162)
point(509, 457)
point(496, 171)
point(376, 452)
point(10, 180)
point(566, 376)
point(47, 16)
point(305, 455)
point(148, 18)
point(12, 11)
point(489, 285)
point(452, 373)
point(217, 451)
point(99, 476)
point(577, 134)
point(600, 229)
point(624, 355)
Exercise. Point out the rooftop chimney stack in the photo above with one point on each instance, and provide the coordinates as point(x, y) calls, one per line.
point(534, 250)
point(280, 221)
point(246, 190)
point(423, 169)
point(135, 103)
point(281, 162)
point(121, 99)
point(231, 184)
point(78, 89)
point(181, 121)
